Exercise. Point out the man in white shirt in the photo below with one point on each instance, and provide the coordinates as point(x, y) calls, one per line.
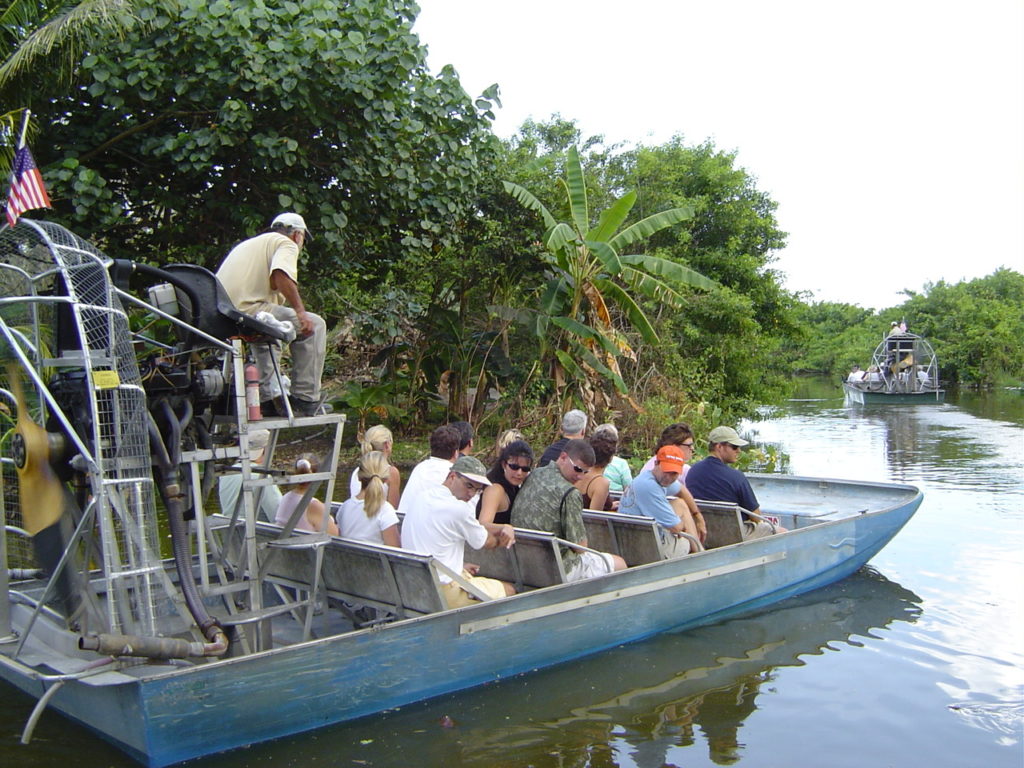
point(440, 522)
point(432, 471)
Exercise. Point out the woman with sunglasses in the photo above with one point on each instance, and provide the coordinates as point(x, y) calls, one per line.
point(507, 475)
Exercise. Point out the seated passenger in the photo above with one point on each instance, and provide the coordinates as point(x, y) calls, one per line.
point(439, 521)
point(548, 501)
point(681, 436)
point(574, 426)
point(712, 479)
point(649, 495)
point(312, 518)
point(507, 475)
point(379, 438)
point(856, 374)
point(466, 437)
point(594, 485)
point(433, 470)
point(369, 516)
point(229, 486)
point(874, 376)
point(618, 472)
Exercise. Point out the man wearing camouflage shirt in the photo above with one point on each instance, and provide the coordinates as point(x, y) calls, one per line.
point(548, 501)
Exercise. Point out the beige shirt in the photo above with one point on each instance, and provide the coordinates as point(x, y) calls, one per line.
point(245, 272)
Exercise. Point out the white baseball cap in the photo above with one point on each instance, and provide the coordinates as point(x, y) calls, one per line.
point(293, 220)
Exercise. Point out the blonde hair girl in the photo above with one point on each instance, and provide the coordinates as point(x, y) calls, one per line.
point(378, 438)
point(368, 515)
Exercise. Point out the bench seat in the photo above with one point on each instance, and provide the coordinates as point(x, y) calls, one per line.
point(397, 580)
point(634, 538)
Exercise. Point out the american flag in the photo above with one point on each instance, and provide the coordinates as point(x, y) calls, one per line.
point(27, 190)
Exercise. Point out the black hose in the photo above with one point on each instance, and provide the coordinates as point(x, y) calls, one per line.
point(170, 492)
point(205, 442)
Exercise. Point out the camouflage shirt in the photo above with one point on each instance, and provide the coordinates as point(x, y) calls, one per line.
point(539, 505)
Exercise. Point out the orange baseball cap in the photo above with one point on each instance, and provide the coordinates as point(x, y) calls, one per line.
point(670, 459)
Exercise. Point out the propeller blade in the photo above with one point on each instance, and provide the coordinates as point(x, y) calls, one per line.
point(40, 491)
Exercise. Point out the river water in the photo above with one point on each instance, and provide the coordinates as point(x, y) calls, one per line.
point(916, 660)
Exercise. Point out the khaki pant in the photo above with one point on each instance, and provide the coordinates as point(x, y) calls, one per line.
point(457, 597)
point(307, 358)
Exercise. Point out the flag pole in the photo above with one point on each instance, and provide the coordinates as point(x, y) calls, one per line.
point(24, 128)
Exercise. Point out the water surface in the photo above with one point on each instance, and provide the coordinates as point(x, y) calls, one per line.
point(916, 660)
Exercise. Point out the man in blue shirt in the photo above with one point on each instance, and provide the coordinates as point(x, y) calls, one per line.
point(649, 495)
point(712, 479)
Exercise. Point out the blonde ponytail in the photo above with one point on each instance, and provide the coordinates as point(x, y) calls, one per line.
point(375, 439)
point(373, 473)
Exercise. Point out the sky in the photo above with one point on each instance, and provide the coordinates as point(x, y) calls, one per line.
point(889, 132)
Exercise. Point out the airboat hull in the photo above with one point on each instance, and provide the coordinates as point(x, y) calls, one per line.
point(862, 395)
point(162, 715)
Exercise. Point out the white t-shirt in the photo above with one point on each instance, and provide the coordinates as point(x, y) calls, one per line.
point(440, 525)
point(354, 524)
point(429, 473)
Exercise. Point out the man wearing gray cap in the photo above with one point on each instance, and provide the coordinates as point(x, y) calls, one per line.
point(440, 522)
point(261, 274)
point(712, 479)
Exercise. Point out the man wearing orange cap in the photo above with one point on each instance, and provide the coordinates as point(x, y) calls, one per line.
point(649, 495)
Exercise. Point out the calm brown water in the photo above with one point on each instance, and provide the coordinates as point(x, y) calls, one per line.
point(916, 660)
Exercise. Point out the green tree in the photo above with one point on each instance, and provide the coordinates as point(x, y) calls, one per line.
point(975, 327)
point(591, 276)
point(209, 117)
point(724, 343)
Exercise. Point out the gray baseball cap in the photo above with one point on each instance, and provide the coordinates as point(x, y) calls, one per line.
point(726, 435)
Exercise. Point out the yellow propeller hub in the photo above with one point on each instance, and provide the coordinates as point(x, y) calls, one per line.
point(39, 489)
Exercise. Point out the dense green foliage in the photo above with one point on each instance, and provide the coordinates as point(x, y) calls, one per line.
point(592, 276)
point(975, 326)
point(178, 127)
point(194, 129)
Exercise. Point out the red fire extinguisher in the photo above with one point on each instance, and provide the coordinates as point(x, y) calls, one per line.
point(252, 392)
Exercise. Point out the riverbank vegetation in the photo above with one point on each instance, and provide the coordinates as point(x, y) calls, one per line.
point(462, 276)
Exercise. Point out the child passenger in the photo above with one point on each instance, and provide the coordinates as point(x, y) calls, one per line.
point(312, 518)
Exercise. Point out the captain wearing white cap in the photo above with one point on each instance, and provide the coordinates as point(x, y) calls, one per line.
point(261, 274)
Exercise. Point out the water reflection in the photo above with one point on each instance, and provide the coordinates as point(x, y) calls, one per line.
point(823, 435)
point(631, 705)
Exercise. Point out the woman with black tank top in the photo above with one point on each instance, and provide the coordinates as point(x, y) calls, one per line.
point(506, 476)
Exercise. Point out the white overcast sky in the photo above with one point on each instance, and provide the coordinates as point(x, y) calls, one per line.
point(890, 132)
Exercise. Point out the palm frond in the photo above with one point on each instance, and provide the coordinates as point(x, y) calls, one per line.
point(670, 270)
point(607, 255)
point(612, 217)
point(652, 288)
point(64, 31)
point(576, 187)
point(630, 309)
point(648, 226)
point(528, 200)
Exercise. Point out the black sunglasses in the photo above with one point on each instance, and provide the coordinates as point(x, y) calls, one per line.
point(581, 470)
point(518, 467)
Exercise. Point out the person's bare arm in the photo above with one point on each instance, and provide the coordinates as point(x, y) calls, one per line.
point(695, 513)
point(288, 288)
point(391, 536)
point(493, 501)
point(394, 486)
